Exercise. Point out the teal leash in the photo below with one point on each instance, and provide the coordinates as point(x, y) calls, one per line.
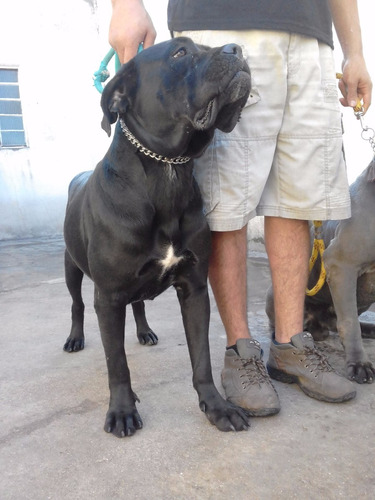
point(102, 74)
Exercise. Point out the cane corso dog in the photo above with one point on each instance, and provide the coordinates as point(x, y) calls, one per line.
point(135, 224)
point(349, 290)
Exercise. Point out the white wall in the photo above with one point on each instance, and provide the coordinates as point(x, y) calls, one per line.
point(57, 46)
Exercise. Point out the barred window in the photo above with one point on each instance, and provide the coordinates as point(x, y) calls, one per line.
point(12, 133)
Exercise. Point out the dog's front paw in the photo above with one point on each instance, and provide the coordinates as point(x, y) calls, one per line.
point(319, 334)
point(123, 423)
point(361, 372)
point(147, 337)
point(225, 416)
point(74, 344)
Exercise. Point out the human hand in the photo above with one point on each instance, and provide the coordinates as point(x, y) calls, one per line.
point(130, 25)
point(355, 84)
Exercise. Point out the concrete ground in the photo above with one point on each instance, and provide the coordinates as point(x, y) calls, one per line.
point(53, 405)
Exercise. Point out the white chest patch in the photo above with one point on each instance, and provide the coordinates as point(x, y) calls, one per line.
point(170, 259)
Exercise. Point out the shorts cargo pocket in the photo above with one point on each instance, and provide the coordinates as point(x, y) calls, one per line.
point(224, 179)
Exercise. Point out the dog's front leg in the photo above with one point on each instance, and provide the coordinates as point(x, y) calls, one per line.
point(195, 309)
point(122, 417)
point(342, 281)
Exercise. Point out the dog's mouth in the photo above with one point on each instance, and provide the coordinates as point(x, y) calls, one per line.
point(203, 118)
point(226, 106)
point(222, 112)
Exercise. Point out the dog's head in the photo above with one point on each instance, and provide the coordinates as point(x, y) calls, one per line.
point(172, 96)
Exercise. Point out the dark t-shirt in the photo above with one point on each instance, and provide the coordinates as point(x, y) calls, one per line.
point(305, 17)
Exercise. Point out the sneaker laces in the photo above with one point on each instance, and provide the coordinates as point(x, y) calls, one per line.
point(315, 360)
point(255, 371)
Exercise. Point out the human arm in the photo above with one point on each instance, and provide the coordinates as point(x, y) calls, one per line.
point(356, 82)
point(130, 25)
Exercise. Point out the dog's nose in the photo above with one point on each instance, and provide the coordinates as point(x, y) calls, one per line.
point(232, 49)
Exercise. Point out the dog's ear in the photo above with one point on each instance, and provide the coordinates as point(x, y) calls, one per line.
point(115, 96)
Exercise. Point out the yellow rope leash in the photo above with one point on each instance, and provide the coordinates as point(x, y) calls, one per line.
point(318, 249)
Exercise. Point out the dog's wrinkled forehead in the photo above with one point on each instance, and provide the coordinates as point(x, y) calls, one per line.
point(170, 61)
point(174, 49)
point(180, 55)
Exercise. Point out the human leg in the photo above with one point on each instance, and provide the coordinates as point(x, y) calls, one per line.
point(307, 181)
point(288, 245)
point(227, 273)
point(293, 357)
point(244, 377)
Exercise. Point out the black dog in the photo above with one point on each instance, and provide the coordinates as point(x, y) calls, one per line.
point(135, 224)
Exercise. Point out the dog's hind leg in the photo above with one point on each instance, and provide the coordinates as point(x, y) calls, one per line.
point(342, 281)
point(144, 333)
point(73, 277)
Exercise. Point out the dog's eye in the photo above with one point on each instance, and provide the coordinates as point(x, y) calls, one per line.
point(179, 53)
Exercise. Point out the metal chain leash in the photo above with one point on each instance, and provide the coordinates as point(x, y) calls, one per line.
point(368, 133)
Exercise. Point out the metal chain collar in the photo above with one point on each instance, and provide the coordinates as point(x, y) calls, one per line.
point(178, 160)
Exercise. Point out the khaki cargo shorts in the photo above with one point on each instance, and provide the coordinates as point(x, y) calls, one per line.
point(285, 156)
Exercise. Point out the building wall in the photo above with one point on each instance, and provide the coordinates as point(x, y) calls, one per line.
point(57, 46)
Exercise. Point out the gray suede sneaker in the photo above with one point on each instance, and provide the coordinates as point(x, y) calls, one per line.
point(246, 381)
point(302, 363)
